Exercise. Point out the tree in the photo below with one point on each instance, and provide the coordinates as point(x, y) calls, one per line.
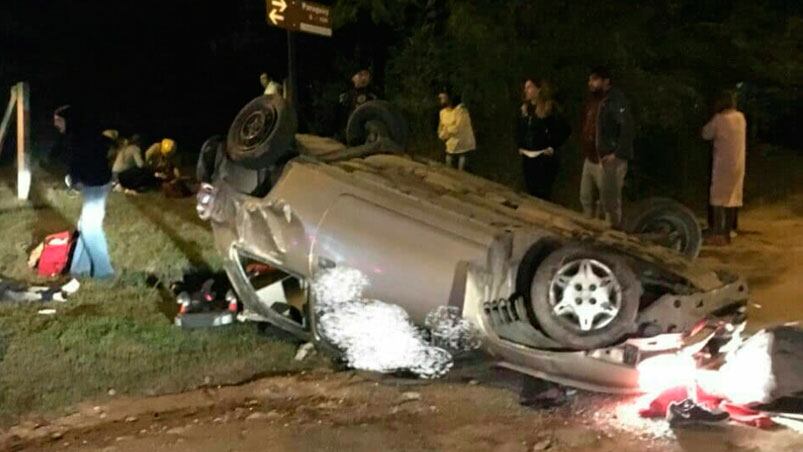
point(669, 56)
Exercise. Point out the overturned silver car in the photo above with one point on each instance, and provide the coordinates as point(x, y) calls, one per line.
point(555, 295)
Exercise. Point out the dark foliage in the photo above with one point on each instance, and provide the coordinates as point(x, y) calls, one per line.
point(671, 57)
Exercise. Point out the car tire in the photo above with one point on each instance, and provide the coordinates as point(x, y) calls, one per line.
point(529, 264)
point(667, 216)
point(379, 111)
point(262, 133)
point(599, 314)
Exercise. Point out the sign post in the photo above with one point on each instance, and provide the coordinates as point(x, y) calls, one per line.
point(293, 16)
point(12, 101)
point(290, 94)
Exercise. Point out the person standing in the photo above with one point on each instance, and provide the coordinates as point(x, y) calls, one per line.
point(454, 129)
point(89, 172)
point(540, 132)
point(727, 129)
point(270, 86)
point(360, 92)
point(607, 142)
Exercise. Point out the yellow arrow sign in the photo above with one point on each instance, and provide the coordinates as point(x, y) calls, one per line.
point(275, 16)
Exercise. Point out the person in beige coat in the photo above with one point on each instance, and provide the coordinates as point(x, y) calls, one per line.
point(454, 129)
point(728, 131)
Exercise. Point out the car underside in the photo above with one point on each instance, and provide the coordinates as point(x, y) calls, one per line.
point(553, 294)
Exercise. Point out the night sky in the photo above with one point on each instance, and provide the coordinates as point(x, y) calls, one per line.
point(179, 68)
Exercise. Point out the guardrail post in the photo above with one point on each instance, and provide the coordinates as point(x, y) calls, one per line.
point(23, 140)
point(12, 101)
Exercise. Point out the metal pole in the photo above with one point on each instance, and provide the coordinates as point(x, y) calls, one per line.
point(7, 117)
point(23, 141)
point(291, 93)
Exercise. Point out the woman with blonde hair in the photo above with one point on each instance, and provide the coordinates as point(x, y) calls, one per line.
point(540, 133)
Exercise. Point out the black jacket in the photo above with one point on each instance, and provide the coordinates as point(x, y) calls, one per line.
point(87, 151)
point(355, 97)
point(615, 126)
point(534, 133)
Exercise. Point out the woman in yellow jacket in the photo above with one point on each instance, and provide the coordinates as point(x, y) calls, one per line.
point(454, 129)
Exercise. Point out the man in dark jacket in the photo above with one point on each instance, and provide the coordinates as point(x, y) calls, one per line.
point(89, 171)
point(607, 142)
point(361, 92)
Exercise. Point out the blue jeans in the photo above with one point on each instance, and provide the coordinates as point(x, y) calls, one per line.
point(91, 255)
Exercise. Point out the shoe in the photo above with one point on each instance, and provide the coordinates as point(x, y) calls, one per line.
point(688, 412)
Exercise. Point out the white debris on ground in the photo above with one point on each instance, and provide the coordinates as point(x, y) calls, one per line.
point(450, 331)
point(767, 367)
point(746, 377)
point(13, 291)
point(305, 350)
point(373, 335)
point(622, 414)
point(71, 287)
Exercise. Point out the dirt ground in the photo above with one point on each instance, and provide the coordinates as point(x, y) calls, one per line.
point(474, 408)
point(769, 253)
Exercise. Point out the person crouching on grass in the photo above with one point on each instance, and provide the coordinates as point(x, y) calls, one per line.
point(454, 129)
point(89, 172)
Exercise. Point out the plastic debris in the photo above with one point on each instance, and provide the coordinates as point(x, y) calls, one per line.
point(411, 396)
point(304, 351)
point(13, 291)
point(373, 335)
point(450, 331)
point(747, 375)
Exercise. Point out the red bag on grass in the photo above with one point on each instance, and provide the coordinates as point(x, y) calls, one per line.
point(56, 254)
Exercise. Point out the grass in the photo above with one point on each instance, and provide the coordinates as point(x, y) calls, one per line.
point(116, 334)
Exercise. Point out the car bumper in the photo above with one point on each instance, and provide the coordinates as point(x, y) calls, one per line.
point(616, 369)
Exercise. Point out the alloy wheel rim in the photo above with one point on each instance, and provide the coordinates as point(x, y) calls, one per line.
point(585, 295)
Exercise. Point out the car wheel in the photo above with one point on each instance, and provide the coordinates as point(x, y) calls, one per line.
point(585, 298)
point(376, 111)
point(529, 264)
point(668, 223)
point(262, 132)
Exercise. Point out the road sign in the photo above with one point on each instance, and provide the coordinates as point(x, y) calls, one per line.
point(300, 15)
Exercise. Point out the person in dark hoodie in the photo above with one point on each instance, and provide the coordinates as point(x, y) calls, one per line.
point(540, 133)
point(89, 172)
point(607, 142)
point(361, 91)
